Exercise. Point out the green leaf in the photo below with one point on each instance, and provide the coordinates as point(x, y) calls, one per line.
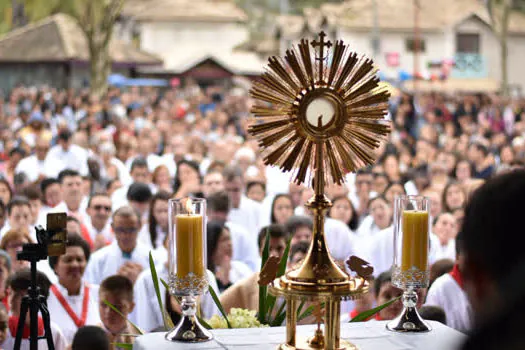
point(280, 271)
point(280, 316)
point(166, 285)
point(306, 313)
point(126, 346)
point(219, 305)
point(204, 323)
point(112, 307)
point(263, 290)
point(363, 316)
point(168, 323)
point(300, 307)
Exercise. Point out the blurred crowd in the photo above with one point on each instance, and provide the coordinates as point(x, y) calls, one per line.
point(113, 163)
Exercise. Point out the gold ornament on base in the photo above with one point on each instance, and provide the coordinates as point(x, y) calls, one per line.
point(320, 114)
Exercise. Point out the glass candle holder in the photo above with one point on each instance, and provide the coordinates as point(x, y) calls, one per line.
point(410, 270)
point(187, 265)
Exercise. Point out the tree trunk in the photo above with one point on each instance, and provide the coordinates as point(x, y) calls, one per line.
point(100, 67)
point(504, 66)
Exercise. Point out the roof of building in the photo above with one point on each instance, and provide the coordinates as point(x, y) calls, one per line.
point(392, 15)
point(184, 10)
point(59, 38)
point(237, 63)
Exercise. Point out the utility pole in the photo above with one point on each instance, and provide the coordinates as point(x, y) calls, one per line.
point(376, 43)
point(417, 45)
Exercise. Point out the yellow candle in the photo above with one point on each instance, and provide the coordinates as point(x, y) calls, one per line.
point(415, 240)
point(189, 240)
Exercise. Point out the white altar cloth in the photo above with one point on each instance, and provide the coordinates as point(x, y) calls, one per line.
point(366, 335)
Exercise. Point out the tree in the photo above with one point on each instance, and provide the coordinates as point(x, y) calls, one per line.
point(499, 12)
point(97, 19)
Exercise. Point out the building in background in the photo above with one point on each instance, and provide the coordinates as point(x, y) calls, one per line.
point(54, 52)
point(450, 30)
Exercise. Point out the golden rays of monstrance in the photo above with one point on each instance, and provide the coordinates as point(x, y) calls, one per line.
point(320, 103)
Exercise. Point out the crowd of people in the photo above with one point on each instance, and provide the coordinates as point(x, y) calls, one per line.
point(113, 163)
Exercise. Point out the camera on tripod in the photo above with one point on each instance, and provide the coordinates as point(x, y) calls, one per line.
point(51, 241)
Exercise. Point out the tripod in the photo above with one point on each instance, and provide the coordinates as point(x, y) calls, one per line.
point(33, 302)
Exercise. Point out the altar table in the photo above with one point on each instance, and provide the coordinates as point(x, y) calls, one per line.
point(366, 335)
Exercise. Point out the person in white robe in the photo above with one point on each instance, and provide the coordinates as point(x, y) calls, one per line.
point(98, 223)
point(34, 165)
point(72, 302)
point(244, 211)
point(125, 255)
point(139, 173)
point(445, 230)
point(448, 293)
point(66, 155)
point(244, 243)
point(147, 314)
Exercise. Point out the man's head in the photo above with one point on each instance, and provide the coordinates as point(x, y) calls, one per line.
point(278, 239)
point(64, 139)
point(218, 206)
point(71, 185)
point(234, 184)
point(139, 197)
point(117, 290)
point(19, 213)
point(51, 192)
point(385, 291)
point(139, 170)
point(298, 252)
point(494, 263)
point(256, 190)
point(32, 193)
point(363, 180)
point(213, 182)
point(99, 209)
point(41, 148)
point(126, 225)
point(90, 337)
point(19, 283)
point(477, 152)
point(300, 228)
point(445, 227)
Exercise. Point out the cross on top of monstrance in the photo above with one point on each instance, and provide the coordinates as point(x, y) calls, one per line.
point(319, 124)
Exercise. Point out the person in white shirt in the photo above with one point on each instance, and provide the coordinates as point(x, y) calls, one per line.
point(125, 256)
point(244, 212)
point(72, 302)
point(139, 198)
point(34, 166)
point(51, 197)
point(147, 314)
point(363, 192)
point(244, 245)
point(139, 173)
point(97, 223)
point(19, 217)
point(177, 151)
point(445, 231)
point(220, 252)
point(73, 203)
point(379, 219)
point(448, 293)
point(66, 155)
point(19, 284)
point(155, 231)
point(146, 150)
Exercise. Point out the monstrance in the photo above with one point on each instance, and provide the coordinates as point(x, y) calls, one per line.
point(320, 114)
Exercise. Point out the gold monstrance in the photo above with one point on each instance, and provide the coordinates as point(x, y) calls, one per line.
point(320, 114)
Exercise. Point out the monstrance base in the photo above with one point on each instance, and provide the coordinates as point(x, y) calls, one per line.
point(302, 344)
point(409, 321)
point(189, 330)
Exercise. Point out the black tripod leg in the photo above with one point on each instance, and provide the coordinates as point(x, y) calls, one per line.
point(47, 324)
point(21, 322)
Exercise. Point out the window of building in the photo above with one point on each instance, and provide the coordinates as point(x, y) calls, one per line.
point(411, 45)
point(467, 43)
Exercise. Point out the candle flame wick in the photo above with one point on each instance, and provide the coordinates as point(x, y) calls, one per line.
point(188, 206)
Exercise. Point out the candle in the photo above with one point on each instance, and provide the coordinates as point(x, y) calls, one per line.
point(415, 240)
point(190, 245)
